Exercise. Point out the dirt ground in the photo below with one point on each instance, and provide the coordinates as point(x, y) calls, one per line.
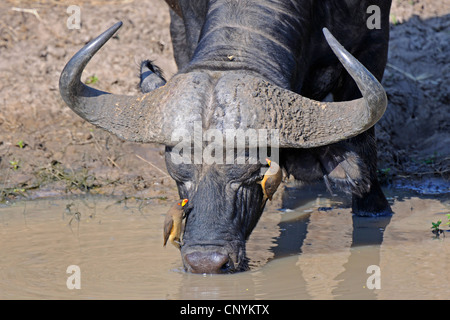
point(46, 150)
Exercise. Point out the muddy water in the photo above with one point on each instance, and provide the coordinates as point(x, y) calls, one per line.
point(315, 251)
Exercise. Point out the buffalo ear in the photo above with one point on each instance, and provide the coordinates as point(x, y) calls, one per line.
point(151, 77)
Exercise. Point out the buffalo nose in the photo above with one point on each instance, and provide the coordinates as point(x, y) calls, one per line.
point(208, 262)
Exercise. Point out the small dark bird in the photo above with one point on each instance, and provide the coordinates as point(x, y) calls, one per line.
point(272, 179)
point(173, 224)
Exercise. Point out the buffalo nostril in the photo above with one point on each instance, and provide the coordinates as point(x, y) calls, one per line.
point(226, 267)
point(208, 262)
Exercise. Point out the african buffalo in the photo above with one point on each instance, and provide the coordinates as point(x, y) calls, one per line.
point(254, 64)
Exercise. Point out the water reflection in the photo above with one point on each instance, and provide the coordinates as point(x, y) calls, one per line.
point(321, 230)
point(308, 252)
